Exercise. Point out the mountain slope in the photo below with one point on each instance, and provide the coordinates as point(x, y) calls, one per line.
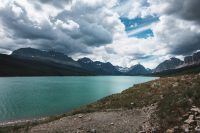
point(39, 55)
point(138, 70)
point(172, 63)
point(122, 69)
point(98, 67)
point(13, 66)
point(193, 59)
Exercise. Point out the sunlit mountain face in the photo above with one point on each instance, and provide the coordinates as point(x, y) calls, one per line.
point(123, 32)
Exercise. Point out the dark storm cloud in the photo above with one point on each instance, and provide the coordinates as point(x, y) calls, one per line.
point(56, 3)
point(95, 35)
point(91, 31)
point(187, 46)
point(42, 36)
point(140, 56)
point(186, 38)
point(63, 36)
point(186, 9)
point(22, 27)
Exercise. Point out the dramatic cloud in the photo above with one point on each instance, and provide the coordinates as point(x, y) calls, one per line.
point(185, 9)
point(123, 32)
point(180, 37)
point(70, 30)
point(59, 4)
point(179, 27)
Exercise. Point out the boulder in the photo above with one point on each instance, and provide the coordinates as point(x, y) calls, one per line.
point(198, 118)
point(175, 84)
point(197, 129)
point(195, 109)
point(198, 122)
point(185, 128)
point(190, 119)
point(80, 116)
point(141, 132)
point(170, 130)
point(93, 131)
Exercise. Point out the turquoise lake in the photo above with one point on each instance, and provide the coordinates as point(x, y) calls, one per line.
point(33, 97)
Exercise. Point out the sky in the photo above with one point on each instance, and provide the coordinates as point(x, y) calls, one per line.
point(123, 32)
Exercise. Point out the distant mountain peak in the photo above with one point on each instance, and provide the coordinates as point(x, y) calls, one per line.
point(172, 63)
point(85, 60)
point(137, 66)
point(192, 59)
point(138, 69)
point(122, 69)
point(43, 55)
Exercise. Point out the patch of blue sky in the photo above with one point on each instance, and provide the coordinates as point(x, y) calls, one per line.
point(136, 23)
point(139, 27)
point(143, 34)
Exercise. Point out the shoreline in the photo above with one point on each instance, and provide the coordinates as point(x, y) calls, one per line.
point(169, 94)
point(77, 76)
point(22, 121)
point(46, 118)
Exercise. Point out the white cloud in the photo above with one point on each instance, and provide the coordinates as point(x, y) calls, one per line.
point(92, 28)
point(69, 25)
point(133, 8)
point(16, 10)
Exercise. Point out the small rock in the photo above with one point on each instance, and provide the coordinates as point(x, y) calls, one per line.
point(175, 84)
point(196, 113)
point(195, 110)
point(93, 130)
point(132, 103)
point(170, 130)
point(190, 128)
point(186, 115)
point(198, 122)
point(111, 123)
point(190, 119)
point(190, 112)
point(79, 131)
point(176, 128)
point(185, 128)
point(190, 101)
point(153, 130)
point(80, 116)
point(197, 129)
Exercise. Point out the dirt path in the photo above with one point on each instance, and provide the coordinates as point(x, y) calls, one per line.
point(113, 121)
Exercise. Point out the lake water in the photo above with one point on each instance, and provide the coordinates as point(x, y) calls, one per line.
point(32, 97)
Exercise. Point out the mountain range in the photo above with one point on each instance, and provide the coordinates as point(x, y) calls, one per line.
point(34, 62)
point(175, 63)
